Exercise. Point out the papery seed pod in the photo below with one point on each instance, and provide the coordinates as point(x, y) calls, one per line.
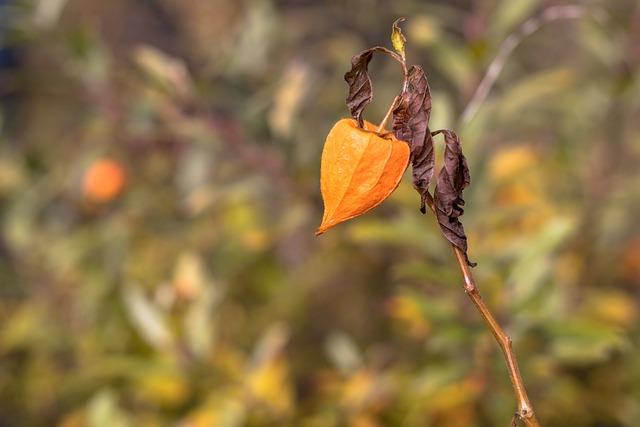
point(360, 169)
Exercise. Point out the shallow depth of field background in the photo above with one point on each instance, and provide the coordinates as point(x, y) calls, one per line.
point(199, 296)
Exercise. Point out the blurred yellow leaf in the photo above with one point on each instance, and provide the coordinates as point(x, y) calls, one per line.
point(267, 379)
point(612, 307)
point(457, 394)
point(269, 385)
point(408, 313)
point(224, 409)
point(363, 390)
point(25, 327)
point(162, 387)
point(509, 162)
point(358, 389)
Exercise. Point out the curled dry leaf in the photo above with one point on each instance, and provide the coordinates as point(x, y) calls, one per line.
point(360, 88)
point(359, 170)
point(452, 180)
point(411, 124)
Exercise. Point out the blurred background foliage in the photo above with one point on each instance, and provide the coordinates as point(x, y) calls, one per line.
point(159, 165)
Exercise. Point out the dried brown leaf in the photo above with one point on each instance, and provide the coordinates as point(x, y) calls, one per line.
point(453, 178)
point(411, 124)
point(360, 88)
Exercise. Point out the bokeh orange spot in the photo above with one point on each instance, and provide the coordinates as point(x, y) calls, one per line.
point(103, 181)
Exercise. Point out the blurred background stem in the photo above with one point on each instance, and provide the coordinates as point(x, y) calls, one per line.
point(529, 27)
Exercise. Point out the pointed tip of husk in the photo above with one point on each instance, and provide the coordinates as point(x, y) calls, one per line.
point(324, 227)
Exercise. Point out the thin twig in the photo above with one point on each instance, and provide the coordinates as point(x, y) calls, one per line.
point(402, 61)
point(405, 72)
point(525, 409)
point(529, 27)
point(388, 114)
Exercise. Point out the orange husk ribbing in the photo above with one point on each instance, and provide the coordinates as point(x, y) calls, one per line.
point(359, 170)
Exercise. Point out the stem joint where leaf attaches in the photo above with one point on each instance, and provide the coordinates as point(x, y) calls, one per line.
point(470, 288)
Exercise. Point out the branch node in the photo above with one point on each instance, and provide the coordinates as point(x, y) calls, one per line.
point(470, 288)
point(508, 341)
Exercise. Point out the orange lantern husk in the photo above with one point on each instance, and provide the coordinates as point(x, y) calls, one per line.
point(359, 170)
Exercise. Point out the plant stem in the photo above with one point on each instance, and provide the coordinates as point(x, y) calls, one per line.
point(388, 114)
point(525, 411)
point(530, 26)
point(405, 72)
